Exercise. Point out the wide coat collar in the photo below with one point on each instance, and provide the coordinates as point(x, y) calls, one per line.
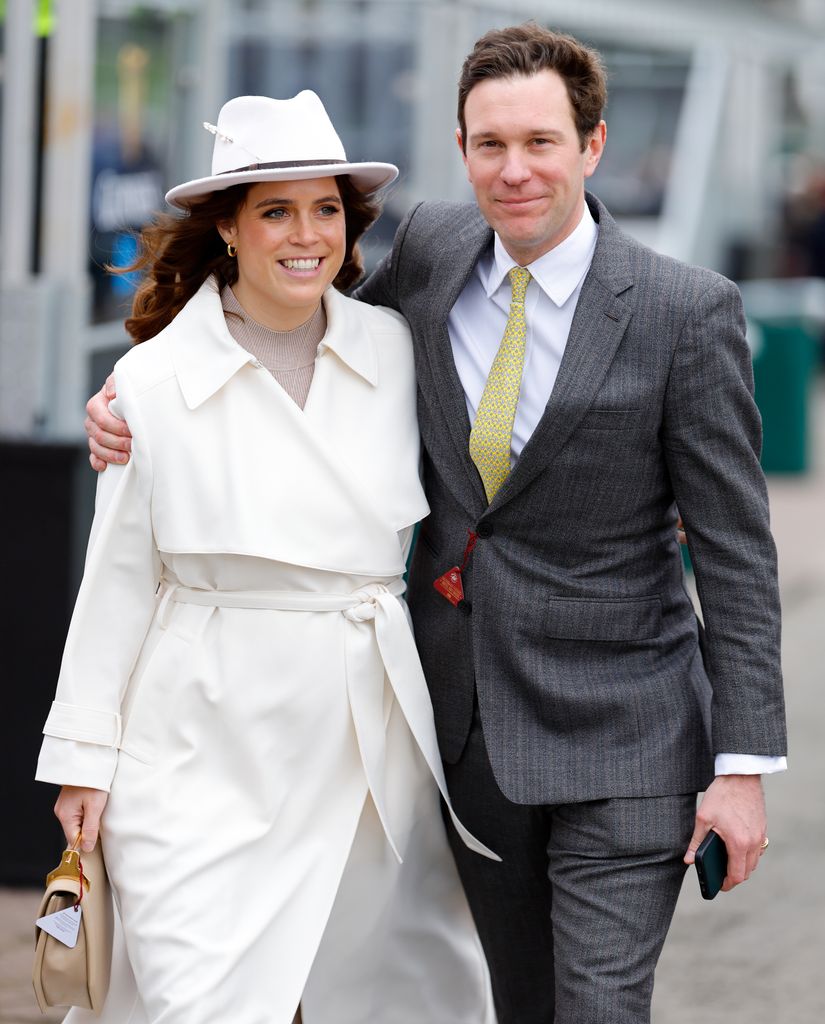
point(205, 355)
point(599, 323)
point(250, 472)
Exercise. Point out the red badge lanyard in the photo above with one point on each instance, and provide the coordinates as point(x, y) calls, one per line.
point(449, 585)
point(79, 900)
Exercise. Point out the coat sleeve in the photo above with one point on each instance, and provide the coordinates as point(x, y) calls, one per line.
point(712, 441)
point(114, 608)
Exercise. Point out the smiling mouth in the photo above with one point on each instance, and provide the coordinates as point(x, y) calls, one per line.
point(518, 201)
point(302, 264)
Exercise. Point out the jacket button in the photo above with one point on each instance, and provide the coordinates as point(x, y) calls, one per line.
point(485, 529)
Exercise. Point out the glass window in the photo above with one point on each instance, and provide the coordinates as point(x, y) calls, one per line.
point(130, 146)
point(645, 95)
point(359, 57)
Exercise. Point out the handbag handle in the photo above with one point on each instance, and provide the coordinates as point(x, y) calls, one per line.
point(69, 866)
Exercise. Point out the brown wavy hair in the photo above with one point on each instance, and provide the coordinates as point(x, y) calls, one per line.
point(524, 50)
point(176, 254)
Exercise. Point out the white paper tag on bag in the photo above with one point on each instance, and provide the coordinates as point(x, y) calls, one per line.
point(64, 925)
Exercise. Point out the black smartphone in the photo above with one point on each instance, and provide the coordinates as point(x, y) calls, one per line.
point(711, 864)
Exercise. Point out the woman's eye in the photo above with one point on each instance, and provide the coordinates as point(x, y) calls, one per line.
point(277, 213)
point(328, 211)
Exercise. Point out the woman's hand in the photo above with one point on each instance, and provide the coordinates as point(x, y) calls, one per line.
point(109, 437)
point(79, 809)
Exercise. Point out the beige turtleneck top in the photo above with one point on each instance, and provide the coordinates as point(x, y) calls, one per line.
point(288, 355)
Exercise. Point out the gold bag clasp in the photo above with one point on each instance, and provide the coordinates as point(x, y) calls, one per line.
point(69, 867)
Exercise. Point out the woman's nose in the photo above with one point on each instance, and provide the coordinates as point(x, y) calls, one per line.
point(304, 231)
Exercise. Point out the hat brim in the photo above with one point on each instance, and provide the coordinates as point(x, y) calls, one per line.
point(366, 177)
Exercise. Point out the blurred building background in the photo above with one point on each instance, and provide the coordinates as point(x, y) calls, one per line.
point(716, 155)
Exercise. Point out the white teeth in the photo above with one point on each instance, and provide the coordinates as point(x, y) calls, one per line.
point(301, 264)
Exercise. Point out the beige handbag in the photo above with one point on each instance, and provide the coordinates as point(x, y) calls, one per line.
point(77, 976)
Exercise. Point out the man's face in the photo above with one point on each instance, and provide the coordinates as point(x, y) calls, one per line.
point(525, 162)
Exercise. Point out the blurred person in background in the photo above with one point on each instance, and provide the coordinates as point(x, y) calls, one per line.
point(803, 234)
point(241, 710)
point(574, 387)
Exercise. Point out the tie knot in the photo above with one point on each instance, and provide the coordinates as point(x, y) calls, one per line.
point(519, 279)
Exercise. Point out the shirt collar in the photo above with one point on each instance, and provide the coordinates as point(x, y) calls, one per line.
point(206, 356)
point(559, 271)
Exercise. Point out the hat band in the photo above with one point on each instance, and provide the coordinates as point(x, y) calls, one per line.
point(283, 163)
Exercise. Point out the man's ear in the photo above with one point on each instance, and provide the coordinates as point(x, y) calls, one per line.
point(595, 148)
point(460, 140)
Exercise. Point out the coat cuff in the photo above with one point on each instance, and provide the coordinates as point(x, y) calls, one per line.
point(80, 747)
point(67, 763)
point(87, 725)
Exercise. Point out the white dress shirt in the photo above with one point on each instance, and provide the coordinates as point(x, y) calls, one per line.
point(477, 321)
point(476, 326)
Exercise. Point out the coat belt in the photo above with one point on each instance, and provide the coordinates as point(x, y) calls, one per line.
point(374, 614)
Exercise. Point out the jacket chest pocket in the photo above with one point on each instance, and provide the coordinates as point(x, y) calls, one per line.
point(604, 419)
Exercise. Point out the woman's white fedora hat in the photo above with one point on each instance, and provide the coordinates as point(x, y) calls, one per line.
point(261, 139)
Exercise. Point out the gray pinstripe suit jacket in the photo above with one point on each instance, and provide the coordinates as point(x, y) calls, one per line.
point(582, 643)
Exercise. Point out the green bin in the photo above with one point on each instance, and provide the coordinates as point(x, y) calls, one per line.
point(786, 319)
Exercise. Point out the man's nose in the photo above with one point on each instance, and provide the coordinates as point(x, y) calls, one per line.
point(515, 169)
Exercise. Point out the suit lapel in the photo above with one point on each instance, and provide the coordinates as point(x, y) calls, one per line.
point(599, 323)
point(447, 426)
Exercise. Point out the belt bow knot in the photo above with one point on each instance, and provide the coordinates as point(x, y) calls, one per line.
point(368, 598)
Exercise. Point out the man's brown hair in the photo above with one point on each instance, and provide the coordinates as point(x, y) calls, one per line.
point(527, 49)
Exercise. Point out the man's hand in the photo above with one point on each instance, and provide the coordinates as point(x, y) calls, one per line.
point(733, 806)
point(109, 437)
point(79, 808)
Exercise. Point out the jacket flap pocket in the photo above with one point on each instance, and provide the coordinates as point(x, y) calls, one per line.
point(605, 619)
point(609, 419)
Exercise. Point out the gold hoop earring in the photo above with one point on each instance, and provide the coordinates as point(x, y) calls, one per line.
point(231, 250)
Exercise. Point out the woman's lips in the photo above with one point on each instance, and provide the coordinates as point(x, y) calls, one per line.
point(304, 266)
point(301, 262)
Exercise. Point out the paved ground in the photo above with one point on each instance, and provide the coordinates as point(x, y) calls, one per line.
point(753, 956)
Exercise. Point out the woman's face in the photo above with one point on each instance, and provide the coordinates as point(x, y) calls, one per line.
point(291, 242)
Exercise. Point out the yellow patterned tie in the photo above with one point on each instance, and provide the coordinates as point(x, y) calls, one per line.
point(492, 432)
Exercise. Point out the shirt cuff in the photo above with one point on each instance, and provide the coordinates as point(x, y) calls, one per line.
point(749, 764)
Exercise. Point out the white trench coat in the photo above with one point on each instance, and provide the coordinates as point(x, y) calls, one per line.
point(240, 674)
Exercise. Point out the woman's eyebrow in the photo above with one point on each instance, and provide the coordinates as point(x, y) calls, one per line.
point(274, 200)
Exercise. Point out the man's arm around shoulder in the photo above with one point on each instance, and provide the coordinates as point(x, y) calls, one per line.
point(381, 287)
point(109, 437)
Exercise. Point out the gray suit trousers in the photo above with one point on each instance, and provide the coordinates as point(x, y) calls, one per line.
point(574, 918)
